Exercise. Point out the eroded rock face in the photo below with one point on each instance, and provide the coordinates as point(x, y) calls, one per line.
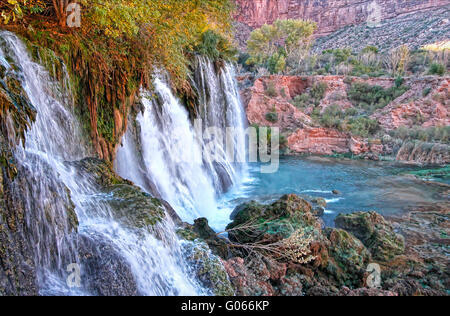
point(413, 108)
point(274, 95)
point(424, 153)
point(330, 15)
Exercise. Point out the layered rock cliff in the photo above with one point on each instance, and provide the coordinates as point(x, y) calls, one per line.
point(304, 132)
point(330, 15)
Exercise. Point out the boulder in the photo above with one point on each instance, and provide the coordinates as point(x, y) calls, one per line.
point(208, 268)
point(375, 232)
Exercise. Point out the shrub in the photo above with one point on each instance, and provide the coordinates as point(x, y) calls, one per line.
point(272, 117)
point(271, 90)
point(301, 101)
point(276, 63)
point(437, 69)
point(318, 92)
point(214, 46)
point(375, 97)
point(363, 126)
point(431, 134)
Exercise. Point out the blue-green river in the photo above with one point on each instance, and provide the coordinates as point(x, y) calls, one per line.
point(364, 186)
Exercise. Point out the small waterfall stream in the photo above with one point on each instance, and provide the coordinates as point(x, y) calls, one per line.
point(53, 186)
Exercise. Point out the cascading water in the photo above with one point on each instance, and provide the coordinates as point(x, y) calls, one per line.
point(54, 186)
point(168, 151)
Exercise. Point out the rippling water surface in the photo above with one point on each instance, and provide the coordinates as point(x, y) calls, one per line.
point(364, 186)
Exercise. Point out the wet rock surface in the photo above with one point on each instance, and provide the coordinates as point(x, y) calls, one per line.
point(375, 232)
point(208, 268)
point(131, 206)
point(105, 272)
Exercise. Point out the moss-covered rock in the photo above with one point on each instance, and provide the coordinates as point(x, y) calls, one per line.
point(349, 258)
point(375, 232)
point(203, 232)
point(101, 171)
point(129, 204)
point(273, 222)
point(208, 268)
point(135, 207)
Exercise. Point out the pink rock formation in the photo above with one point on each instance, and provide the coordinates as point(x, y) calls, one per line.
point(413, 109)
point(305, 136)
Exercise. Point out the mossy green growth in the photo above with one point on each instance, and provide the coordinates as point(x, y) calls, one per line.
point(208, 268)
point(375, 233)
point(278, 220)
point(134, 207)
point(438, 173)
point(129, 204)
point(349, 257)
point(101, 171)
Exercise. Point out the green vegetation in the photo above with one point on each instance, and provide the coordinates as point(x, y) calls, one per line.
point(285, 43)
point(348, 121)
point(312, 96)
point(372, 98)
point(271, 90)
point(432, 134)
point(363, 126)
point(215, 46)
point(440, 173)
point(118, 44)
point(370, 61)
point(272, 117)
point(437, 69)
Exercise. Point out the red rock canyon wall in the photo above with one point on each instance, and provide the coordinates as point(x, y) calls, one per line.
point(330, 15)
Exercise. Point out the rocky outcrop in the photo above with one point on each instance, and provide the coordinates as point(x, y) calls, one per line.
point(376, 234)
point(416, 29)
point(260, 261)
point(327, 141)
point(424, 104)
point(424, 153)
point(330, 15)
point(105, 271)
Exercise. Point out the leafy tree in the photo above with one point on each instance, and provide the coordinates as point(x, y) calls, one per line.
point(13, 10)
point(293, 37)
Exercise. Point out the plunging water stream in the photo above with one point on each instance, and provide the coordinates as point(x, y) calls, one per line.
point(156, 263)
point(188, 165)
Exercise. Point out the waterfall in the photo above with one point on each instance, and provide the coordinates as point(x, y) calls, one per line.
point(52, 186)
point(165, 153)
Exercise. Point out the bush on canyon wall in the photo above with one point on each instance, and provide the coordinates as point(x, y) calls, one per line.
point(440, 134)
point(371, 98)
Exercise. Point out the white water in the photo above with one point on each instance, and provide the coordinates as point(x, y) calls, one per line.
point(157, 265)
point(170, 151)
